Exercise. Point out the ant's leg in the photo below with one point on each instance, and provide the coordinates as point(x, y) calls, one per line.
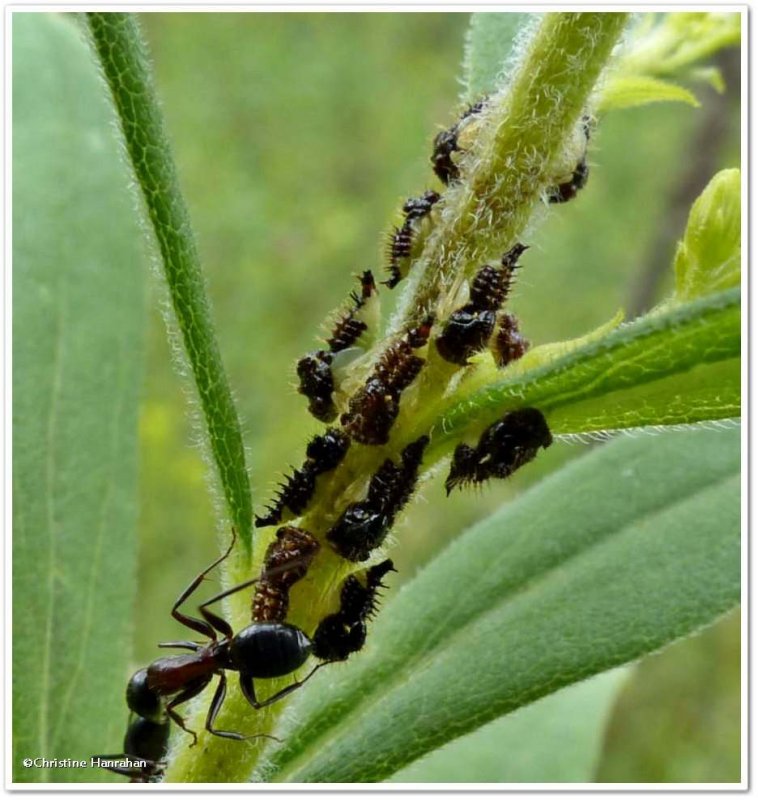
point(199, 625)
point(216, 703)
point(191, 691)
point(222, 625)
point(183, 645)
point(248, 688)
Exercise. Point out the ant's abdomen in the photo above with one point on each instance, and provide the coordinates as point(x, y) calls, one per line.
point(269, 649)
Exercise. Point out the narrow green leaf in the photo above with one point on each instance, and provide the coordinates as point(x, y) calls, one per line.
point(672, 44)
point(78, 317)
point(639, 90)
point(557, 739)
point(490, 43)
point(541, 595)
point(123, 57)
point(708, 257)
point(710, 75)
point(676, 366)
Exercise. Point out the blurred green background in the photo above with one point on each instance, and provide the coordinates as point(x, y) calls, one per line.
point(297, 137)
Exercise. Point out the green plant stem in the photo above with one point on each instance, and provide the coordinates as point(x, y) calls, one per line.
point(123, 58)
point(526, 128)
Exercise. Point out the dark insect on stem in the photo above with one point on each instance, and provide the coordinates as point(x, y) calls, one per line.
point(344, 632)
point(373, 409)
point(470, 327)
point(418, 207)
point(466, 332)
point(502, 448)
point(261, 650)
point(508, 344)
point(145, 741)
point(286, 561)
point(447, 142)
point(401, 239)
point(347, 330)
point(317, 384)
point(314, 371)
point(323, 453)
point(398, 248)
point(326, 452)
point(568, 190)
point(418, 337)
point(363, 526)
point(294, 494)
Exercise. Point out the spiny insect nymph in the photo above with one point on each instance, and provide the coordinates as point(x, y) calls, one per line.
point(314, 371)
point(469, 328)
point(502, 448)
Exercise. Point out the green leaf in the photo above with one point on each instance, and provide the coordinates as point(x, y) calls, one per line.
point(557, 739)
point(708, 257)
point(124, 61)
point(545, 354)
point(675, 366)
point(626, 549)
point(673, 43)
point(78, 317)
point(490, 42)
point(710, 75)
point(638, 90)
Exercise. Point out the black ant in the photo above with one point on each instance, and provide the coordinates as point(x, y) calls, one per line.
point(261, 650)
point(336, 638)
point(145, 741)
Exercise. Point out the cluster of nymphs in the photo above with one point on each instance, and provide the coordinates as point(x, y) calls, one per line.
point(362, 412)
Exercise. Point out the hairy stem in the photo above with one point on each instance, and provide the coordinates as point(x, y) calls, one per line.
point(123, 58)
point(527, 129)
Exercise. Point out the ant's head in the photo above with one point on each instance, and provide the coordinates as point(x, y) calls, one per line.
point(146, 739)
point(269, 649)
